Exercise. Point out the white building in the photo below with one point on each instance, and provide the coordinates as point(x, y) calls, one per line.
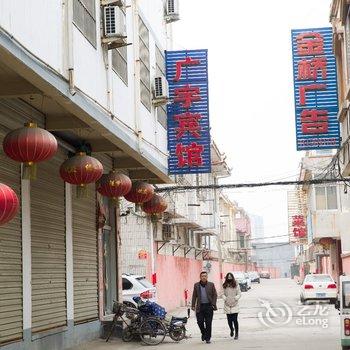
point(62, 65)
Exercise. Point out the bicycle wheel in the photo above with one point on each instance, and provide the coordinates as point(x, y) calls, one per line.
point(152, 331)
point(128, 334)
point(177, 334)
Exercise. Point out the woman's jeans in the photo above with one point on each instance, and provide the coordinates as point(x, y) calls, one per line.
point(232, 320)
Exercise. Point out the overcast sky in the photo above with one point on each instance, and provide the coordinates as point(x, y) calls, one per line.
point(251, 89)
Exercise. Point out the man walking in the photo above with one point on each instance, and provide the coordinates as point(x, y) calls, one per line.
point(204, 300)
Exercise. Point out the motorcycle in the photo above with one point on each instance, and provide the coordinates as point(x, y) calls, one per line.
point(175, 326)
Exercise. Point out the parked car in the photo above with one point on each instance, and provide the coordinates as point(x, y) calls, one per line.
point(249, 281)
point(243, 282)
point(318, 287)
point(254, 276)
point(265, 274)
point(137, 286)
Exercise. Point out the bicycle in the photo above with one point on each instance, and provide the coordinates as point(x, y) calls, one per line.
point(150, 329)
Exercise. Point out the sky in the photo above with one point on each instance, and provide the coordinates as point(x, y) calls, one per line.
point(251, 90)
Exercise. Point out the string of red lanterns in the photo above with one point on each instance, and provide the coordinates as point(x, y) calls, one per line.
point(31, 145)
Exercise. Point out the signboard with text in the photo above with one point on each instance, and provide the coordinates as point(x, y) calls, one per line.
point(315, 89)
point(188, 112)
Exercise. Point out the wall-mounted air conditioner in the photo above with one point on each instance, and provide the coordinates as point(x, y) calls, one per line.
point(160, 91)
point(114, 27)
point(172, 11)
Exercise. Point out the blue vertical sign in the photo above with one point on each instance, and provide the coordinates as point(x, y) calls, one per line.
point(188, 112)
point(315, 89)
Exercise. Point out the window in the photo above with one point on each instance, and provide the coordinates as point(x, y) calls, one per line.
point(127, 285)
point(84, 17)
point(120, 63)
point(326, 198)
point(241, 242)
point(160, 71)
point(145, 79)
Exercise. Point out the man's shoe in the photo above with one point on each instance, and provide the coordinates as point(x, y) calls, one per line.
point(231, 333)
point(236, 336)
point(203, 337)
point(208, 341)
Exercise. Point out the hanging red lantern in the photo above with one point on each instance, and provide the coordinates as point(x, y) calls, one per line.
point(114, 185)
point(81, 170)
point(326, 242)
point(9, 204)
point(30, 145)
point(157, 205)
point(140, 192)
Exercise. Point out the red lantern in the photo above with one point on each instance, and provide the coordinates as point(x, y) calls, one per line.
point(81, 170)
point(9, 204)
point(156, 205)
point(140, 192)
point(114, 185)
point(30, 145)
point(326, 242)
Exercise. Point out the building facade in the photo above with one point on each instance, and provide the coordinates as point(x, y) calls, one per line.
point(59, 257)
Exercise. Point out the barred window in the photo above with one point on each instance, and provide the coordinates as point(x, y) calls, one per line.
point(120, 63)
point(160, 71)
point(145, 82)
point(84, 17)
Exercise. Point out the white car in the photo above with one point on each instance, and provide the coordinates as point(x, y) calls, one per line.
point(137, 286)
point(318, 287)
point(244, 282)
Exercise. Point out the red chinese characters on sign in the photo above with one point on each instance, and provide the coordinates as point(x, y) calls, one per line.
point(187, 95)
point(188, 123)
point(310, 69)
point(299, 227)
point(313, 121)
point(311, 43)
point(190, 155)
point(188, 61)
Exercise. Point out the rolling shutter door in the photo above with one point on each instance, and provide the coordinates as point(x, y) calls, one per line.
point(48, 246)
point(85, 257)
point(11, 317)
point(106, 161)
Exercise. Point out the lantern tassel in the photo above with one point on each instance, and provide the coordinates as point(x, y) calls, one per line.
point(29, 171)
point(82, 191)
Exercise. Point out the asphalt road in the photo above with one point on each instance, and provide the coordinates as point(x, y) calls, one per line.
point(271, 317)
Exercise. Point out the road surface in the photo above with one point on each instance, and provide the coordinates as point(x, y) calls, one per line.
point(286, 325)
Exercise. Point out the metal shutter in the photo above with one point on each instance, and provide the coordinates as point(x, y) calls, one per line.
point(85, 258)
point(10, 257)
point(48, 246)
point(106, 161)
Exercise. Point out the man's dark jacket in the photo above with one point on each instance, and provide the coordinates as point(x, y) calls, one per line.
point(211, 293)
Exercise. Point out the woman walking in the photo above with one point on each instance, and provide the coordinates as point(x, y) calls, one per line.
point(232, 293)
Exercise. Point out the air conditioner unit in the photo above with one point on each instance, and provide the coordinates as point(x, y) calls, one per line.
point(160, 92)
point(119, 3)
point(114, 26)
point(172, 11)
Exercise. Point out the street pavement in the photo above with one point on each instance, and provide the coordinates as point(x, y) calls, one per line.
point(271, 317)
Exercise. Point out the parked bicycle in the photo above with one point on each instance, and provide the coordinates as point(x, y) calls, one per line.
point(150, 329)
point(175, 326)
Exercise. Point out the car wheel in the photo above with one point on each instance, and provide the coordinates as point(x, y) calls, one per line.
point(332, 301)
point(302, 300)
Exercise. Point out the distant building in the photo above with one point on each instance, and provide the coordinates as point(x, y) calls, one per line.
point(277, 254)
point(257, 228)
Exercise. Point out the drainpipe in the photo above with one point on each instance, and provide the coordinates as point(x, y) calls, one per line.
point(136, 51)
point(70, 52)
